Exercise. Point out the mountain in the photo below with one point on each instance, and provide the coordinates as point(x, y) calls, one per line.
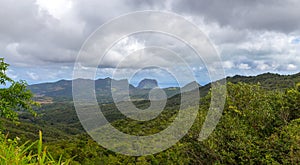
point(62, 90)
point(190, 86)
point(61, 113)
point(63, 132)
point(147, 84)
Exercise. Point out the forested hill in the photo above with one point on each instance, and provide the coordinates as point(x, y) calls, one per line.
point(269, 80)
point(259, 125)
point(63, 89)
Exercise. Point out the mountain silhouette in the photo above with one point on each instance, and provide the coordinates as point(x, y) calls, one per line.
point(147, 84)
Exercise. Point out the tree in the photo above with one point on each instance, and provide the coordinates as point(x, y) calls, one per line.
point(14, 95)
point(291, 103)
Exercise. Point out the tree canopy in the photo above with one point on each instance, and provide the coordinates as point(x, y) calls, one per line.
point(14, 95)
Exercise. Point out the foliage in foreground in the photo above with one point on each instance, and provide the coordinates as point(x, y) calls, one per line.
point(11, 152)
point(14, 97)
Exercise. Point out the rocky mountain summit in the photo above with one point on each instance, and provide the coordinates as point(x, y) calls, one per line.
point(147, 84)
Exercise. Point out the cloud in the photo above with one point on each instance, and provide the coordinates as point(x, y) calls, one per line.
point(251, 36)
point(295, 40)
point(56, 8)
point(228, 64)
point(276, 15)
point(263, 66)
point(33, 75)
point(11, 73)
point(244, 66)
point(32, 36)
point(291, 67)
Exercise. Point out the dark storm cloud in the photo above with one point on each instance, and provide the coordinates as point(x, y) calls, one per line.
point(96, 12)
point(262, 31)
point(276, 15)
point(32, 36)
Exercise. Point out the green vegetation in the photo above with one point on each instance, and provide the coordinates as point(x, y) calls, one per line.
point(260, 125)
point(16, 98)
point(269, 81)
point(27, 153)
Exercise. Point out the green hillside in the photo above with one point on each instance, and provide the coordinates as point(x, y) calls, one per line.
point(269, 80)
point(260, 125)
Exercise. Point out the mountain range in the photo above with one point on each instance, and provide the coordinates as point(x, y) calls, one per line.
point(62, 89)
point(59, 120)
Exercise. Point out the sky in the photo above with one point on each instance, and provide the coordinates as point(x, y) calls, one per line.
point(41, 39)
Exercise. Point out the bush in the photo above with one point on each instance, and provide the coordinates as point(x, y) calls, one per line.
point(27, 153)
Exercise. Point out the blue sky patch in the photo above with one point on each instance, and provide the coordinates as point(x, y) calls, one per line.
point(296, 41)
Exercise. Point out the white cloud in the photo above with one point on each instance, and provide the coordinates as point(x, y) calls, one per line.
point(228, 64)
point(57, 8)
point(291, 67)
point(12, 74)
point(33, 75)
point(263, 66)
point(244, 66)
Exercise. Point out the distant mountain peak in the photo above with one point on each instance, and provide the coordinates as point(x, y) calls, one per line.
point(147, 84)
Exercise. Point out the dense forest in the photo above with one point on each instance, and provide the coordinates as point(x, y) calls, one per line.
point(260, 125)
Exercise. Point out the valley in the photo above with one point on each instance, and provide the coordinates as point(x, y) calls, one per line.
point(259, 123)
